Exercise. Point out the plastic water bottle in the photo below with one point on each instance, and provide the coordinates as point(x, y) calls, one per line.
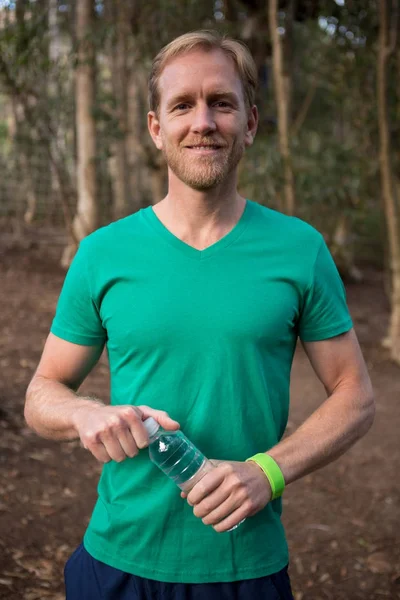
point(176, 456)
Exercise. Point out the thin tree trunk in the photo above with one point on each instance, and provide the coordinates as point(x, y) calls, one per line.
point(342, 250)
point(120, 85)
point(281, 88)
point(135, 139)
point(287, 55)
point(54, 91)
point(390, 207)
point(26, 183)
point(305, 107)
point(86, 217)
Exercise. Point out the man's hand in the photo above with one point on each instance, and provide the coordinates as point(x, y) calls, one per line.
point(117, 432)
point(229, 493)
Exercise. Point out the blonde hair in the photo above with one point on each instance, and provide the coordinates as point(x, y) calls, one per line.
point(208, 40)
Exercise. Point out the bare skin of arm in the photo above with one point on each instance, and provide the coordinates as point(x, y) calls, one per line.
point(54, 409)
point(236, 490)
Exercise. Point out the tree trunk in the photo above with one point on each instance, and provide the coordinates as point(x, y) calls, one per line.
point(389, 200)
point(287, 56)
point(281, 88)
point(86, 217)
point(21, 138)
point(139, 148)
point(342, 250)
point(120, 174)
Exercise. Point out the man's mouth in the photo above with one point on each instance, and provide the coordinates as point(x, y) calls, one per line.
point(204, 147)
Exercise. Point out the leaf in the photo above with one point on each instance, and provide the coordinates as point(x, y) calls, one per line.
point(41, 455)
point(299, 565)
point(319, 526)
point(314, 567)
point(17, 575)
point(39, 567)
point(379, 562)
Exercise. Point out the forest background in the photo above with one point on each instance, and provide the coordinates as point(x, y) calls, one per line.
point(74, 147)
point(75, 154)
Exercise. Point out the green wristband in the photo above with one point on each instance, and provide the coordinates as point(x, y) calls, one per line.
point(272, 472)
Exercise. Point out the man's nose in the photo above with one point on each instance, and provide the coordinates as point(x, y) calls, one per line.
point(203, 120)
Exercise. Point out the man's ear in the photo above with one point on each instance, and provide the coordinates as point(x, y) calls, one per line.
point(252, 124)
point(154, 129)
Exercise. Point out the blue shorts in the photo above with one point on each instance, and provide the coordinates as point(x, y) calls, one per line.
point(89, 579)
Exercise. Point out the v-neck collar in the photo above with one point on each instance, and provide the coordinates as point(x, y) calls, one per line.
point(190, 251)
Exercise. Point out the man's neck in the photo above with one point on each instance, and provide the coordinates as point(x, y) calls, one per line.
point(200, 218)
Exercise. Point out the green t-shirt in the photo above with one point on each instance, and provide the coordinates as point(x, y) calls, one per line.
point(208, 336)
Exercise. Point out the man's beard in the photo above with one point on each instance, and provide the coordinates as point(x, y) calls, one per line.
point(202, 172)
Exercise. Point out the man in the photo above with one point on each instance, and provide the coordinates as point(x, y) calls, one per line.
point(199, 301)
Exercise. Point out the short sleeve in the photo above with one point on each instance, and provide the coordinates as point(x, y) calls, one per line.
point(324, 313)
point(77, 318)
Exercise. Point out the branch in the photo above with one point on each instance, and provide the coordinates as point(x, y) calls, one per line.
point(109, 111)
point(12, 86)
point(301, 115)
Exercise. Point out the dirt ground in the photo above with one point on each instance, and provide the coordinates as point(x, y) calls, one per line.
point(342, 522)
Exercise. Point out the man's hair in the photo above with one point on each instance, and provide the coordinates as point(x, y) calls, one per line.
point(207, 40)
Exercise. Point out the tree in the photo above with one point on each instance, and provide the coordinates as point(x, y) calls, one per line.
point(386, 46)
point(86, 217)
point(282, 95)
point(120, 15)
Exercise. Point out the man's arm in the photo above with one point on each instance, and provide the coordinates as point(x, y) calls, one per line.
point(51, 398)
point(54, 410)
point(236, 490)
point(341, 420)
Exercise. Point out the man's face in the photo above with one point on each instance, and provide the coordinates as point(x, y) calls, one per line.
point(203, 125)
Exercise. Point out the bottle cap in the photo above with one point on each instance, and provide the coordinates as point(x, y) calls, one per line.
point(151, 426)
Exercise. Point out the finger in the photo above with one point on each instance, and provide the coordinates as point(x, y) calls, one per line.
point(232, 520)
point(99, 452)
point(205, 486)
point(223, 510)
point(132, 418)
point(127, 442)
point(183, 495)
point(211, 502)
point(161, 416)
point(113, 446)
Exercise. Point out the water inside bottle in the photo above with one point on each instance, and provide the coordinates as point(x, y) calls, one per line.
point(174, 454)
point(179, 459)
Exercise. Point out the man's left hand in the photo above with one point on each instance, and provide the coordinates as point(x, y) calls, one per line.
point(229, 493)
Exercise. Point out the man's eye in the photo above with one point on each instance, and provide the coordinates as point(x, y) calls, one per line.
point(181, 106)
point(222, 104)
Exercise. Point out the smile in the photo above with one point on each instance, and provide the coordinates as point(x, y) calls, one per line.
point(204, 148)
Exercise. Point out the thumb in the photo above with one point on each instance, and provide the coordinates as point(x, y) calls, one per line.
point(161, 416)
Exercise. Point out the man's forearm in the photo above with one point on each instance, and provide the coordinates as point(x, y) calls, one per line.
point(50, 408)
point(333, 428)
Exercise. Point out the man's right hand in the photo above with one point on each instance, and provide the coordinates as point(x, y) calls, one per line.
point(117, 432)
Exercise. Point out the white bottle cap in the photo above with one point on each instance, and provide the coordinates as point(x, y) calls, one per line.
point(151, 426)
